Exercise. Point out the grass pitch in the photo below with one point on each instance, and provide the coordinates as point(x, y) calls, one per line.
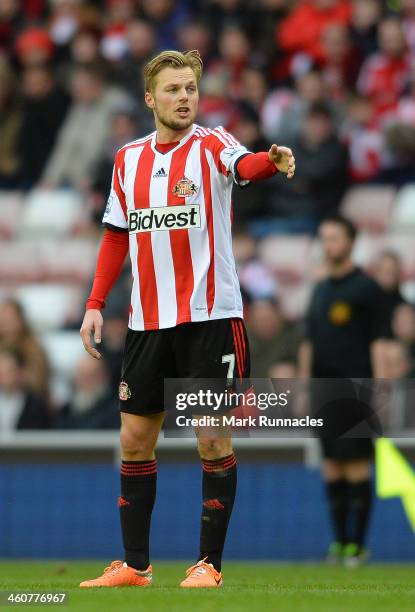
point(247, 587)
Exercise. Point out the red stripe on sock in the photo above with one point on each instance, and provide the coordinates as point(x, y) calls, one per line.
point(144, 468)
point(218, 465)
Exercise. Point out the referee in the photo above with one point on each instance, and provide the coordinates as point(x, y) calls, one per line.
point(343, 340)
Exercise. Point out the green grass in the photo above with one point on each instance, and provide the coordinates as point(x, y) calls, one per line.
point(247, 587)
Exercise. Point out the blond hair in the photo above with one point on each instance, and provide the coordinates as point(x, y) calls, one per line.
point(172, 59)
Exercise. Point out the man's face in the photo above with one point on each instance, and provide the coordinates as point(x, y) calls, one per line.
point(391, 39)
point(323, 5)
point(317, 129)
point(175, 98)
point(337, 245)
point(388, 273)
point(85, 88)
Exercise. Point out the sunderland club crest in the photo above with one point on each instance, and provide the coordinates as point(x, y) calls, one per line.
point(124, 391)
point(184, 188)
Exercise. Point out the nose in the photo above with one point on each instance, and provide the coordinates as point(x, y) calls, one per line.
point(183, 94)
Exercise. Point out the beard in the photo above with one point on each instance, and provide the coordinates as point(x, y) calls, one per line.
point(175, 124)
point(338, 260)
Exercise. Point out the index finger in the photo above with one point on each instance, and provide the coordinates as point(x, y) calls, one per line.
point(86, 340)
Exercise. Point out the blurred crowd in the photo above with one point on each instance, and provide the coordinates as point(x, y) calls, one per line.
point(333, 79)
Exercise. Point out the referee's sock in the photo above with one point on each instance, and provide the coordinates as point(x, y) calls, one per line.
point(218, 489)
point(138, 493)
point(337, 494)
point(360, 503)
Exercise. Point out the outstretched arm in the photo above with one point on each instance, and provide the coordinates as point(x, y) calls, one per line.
point(259, 166)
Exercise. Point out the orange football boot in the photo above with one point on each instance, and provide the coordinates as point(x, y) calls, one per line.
point(202, 575)
point(118, 574)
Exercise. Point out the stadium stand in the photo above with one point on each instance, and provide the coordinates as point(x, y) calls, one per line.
point(11, 207)
point(403, 216)
point(370, 207)
point(287, 256)
point(50, 306)
point(51, 213)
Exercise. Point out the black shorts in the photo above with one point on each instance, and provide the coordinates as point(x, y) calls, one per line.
point(350, 422)
point(216, 349)
point(347, 449)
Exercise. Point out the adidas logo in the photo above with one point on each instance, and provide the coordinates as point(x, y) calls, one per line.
point(160, 174)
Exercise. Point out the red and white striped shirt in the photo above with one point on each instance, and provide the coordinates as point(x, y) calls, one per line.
point(177, 209)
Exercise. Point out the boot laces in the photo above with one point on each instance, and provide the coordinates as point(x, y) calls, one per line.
point(198, 568)
point(113, 568)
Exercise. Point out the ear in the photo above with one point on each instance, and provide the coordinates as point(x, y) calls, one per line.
point(149, 100)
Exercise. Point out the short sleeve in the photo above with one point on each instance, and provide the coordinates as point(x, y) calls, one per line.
point(115, 214)
point(227, 151)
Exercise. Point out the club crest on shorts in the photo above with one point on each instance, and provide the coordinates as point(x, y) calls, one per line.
point(124, 391)
point(184, 188)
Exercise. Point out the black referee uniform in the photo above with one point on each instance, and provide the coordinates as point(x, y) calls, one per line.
point(345, 316)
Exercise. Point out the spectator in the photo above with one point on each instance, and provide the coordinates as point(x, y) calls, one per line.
point(285, 369)
point(257, 280)
point(366, 15)
point(272, 339)
point(341, 63)
point(11, 19)
point(114, 43)
point(141, 40)
point(166, 16)
point(93, 404)
point(215, 107)
point(251, 203)
point(196, 35)
point(387, 272)
point(124, 128)
point(364, 140)
point(405, 112)
point(319, 182)
point(284, 110)
point(384, 75)
point(76, 152)
point(403, 326)
point(19, 407)
point(44, 108)
point(224, 13)
point(400, 147)
point(267, 15)
point(34, 47)
point(400, 371)
point(234, 57)
point(65, 20)
point(399, 363)
point(253, 88)
point(16, 335)
point(84, 47)
point(301, 31)
point(408, 23)
point(10, 125)
point(113, 341)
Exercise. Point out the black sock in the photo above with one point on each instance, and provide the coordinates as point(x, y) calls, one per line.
point(138, 493)
point(338, 504)
point(218, 489)
point(360, 502)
